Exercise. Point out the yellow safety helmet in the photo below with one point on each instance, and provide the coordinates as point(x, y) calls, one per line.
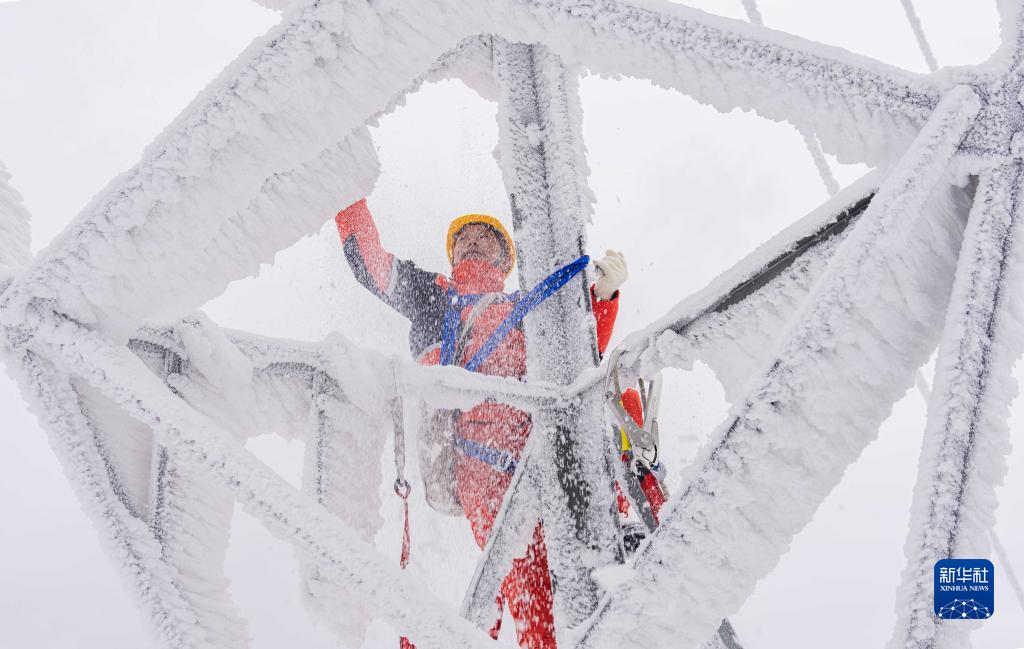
point(464, 220)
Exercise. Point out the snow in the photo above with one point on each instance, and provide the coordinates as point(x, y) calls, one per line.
point(128, 539)
point(967, 437)
point(854, 345)
point(739, 339)
point(252, 385)
point(154, 442)
point(192, 437)
point(861, 109)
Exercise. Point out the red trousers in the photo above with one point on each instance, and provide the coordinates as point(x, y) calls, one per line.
point(526, 589)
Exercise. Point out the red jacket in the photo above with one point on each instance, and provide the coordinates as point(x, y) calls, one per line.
point(421, 296)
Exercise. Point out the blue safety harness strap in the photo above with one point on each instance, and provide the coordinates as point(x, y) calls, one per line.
point(548, 287)
point(450, 327)
point(524, 304)
point(499, 460)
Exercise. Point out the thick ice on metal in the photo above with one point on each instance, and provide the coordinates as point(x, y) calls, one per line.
point(967, 439)
point(847, 356)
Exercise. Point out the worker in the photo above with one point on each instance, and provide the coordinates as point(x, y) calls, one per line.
point(453, 316)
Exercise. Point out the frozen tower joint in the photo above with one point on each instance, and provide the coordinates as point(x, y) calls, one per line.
point(1001, 116)
point(1001, 92)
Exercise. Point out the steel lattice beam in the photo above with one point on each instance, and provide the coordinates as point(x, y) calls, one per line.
point(966, 436)
point(726, 63)
point(544, 176)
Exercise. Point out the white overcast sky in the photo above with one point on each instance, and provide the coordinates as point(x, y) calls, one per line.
point(84, 86)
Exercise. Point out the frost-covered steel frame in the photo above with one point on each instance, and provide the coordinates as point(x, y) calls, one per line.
point(540, 144)
point(765, 470)
point(281, 134)
point(966, 437)
point(215, 157)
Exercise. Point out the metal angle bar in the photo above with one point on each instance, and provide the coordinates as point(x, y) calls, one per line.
point(736, 506)
point(194, 158)
point(441, 69)
point(766, 53)
point(191, 517)
point(285, 358)
point(117, 373)
point(334, 457)
point(442, 383)
point(747, 283)
point(128, 539)
point(322, 385)
point(480, 595)
point(682, 45)
point(339, 441)
point(1012, 23)
point(541, 153)
point(783, 261)
point(966, 436)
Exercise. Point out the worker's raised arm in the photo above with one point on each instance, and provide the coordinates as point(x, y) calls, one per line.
point(372, 266)
point(415, 293)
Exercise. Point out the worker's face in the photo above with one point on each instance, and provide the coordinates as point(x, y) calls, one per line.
point(477, 241)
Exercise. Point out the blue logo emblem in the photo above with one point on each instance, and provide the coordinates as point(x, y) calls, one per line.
point(964, 589)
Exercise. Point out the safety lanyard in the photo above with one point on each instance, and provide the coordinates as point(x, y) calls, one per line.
point(523, 305)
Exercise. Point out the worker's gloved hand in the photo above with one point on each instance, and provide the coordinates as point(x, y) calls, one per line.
point(613, 272)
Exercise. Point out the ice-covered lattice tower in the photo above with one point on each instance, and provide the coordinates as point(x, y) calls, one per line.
point(815, 335)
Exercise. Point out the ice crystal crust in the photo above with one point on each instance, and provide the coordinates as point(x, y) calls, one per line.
point(737, 340)
point(193, 437)
point(868, 324)
point(290, 94)
point(128, 538)
point(966, 437)
point(279, 132)
point(861, 109)
point(812, 358)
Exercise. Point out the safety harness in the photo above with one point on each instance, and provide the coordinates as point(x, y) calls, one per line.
point(524, 303)
point(499, 460)
point(451, 349)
